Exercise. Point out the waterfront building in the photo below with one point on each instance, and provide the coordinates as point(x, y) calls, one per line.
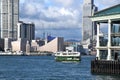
point(19, 45)
point(88, 27)
point(9, 16)
point(108, 49)
point(54, 45)
point(26, 30)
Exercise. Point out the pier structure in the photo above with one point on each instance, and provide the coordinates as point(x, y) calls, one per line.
point(108, 51)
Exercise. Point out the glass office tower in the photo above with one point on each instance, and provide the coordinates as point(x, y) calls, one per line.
point(88, 27)
point(26, 30)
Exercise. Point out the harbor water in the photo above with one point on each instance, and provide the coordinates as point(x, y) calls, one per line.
point(46, 68)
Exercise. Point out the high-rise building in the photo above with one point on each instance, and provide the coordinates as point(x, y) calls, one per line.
point(9, 16)
point(26, 30)
point(88, 27)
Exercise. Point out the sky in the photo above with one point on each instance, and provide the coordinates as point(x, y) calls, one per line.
point(59, 18)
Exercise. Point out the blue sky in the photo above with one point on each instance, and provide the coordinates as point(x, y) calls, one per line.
point(61, 18)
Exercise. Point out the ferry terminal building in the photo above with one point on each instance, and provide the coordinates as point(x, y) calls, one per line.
point(110, 49)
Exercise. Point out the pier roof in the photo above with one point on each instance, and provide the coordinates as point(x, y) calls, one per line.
point(109, 11)
point(112, 13)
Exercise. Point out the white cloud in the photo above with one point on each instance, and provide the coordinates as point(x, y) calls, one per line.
point(57, 13)
point(65, 2)
point(65, 12)
point(53, 15)
point(22, 1)
point(30, 9)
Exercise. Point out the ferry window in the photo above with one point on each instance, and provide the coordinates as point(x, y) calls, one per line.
point(69, 50)
point(75, 53)
point(69, 53)
point(58, 53)
point(64, 53)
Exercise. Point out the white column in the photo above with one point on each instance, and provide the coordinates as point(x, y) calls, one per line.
point(18, 30)
point(98, 43)
point(109, 40)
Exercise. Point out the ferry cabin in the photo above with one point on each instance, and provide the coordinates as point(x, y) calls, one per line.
point(108, 49)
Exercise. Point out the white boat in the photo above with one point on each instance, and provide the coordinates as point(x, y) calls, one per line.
point(68, 56)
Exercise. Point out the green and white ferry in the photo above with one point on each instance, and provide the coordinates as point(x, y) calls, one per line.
point(68, 56)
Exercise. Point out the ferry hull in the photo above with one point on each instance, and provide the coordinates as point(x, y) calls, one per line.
point(66, 58)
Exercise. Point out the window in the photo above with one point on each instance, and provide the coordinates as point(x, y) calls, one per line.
point(103, 54)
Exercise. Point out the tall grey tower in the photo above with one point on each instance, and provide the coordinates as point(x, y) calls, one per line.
point(26, 30)
point(88, 27)
point(9, 16)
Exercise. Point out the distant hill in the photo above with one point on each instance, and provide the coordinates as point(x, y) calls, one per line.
point(72, 40)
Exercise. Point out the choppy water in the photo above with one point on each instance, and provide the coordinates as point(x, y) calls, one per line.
point(46, 68)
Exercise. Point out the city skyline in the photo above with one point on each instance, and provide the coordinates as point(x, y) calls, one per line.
point(57, 17)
